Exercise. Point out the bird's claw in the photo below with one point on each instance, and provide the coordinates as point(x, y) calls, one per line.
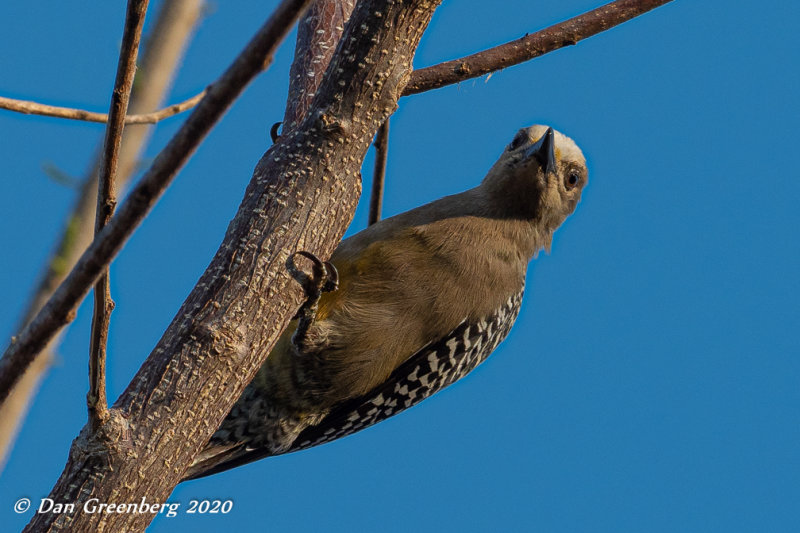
point(324, 278)
point(273, 132)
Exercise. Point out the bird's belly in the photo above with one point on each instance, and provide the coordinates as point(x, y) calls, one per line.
point(431, 369)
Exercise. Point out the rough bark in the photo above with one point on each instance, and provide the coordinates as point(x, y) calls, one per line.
point(317, 36)
point(302, 196)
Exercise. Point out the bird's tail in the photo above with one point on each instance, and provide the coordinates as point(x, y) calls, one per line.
point(216, 458)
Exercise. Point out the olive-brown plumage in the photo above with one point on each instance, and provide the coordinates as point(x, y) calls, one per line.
point(424, 297)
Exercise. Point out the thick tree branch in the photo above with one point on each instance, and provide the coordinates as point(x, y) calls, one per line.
point(61, 307)
point(534, 45)
point(107, 201)
point(379, 173)
point(34, 108)
point(317, 36)
point(162, 52)
point(302, 196)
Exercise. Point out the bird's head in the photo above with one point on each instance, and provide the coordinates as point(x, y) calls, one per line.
point(539, 176)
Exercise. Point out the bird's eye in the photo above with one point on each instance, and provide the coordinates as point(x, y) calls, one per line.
point(571, 181)
point(520, 138)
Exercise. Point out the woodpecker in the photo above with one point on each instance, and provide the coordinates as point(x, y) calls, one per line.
point(423, 298)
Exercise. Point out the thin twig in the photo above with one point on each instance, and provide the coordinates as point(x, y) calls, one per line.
point(557, 36)
point(168, 37)
point(61, 307)
point(34, 108)
point(107, 201)
point(379, 173)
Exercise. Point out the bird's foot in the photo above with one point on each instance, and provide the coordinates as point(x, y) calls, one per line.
point(323, 278)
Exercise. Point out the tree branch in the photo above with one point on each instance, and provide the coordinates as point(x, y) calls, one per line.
point(534, 45)
point(379, 173)
point(302, 196)
point(317, 36)
point(167, 40)
point(34, 108)
point(61, 307)
point(107, 201)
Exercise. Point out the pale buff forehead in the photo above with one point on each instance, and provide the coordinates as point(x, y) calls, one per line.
point(565, 148)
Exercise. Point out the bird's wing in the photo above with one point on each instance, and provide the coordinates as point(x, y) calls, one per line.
point(428, 371)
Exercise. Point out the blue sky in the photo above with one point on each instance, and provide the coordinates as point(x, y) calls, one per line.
point(651, 381)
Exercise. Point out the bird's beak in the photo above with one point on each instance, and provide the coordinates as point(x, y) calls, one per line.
point(544, 151)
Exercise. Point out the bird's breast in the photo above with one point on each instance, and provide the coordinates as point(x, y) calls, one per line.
point(428, 371)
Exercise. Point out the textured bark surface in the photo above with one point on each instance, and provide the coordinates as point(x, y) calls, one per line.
point(302, 197)
point(318, 33)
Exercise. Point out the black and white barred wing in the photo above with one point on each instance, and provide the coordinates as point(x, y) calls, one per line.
point(428, 371)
